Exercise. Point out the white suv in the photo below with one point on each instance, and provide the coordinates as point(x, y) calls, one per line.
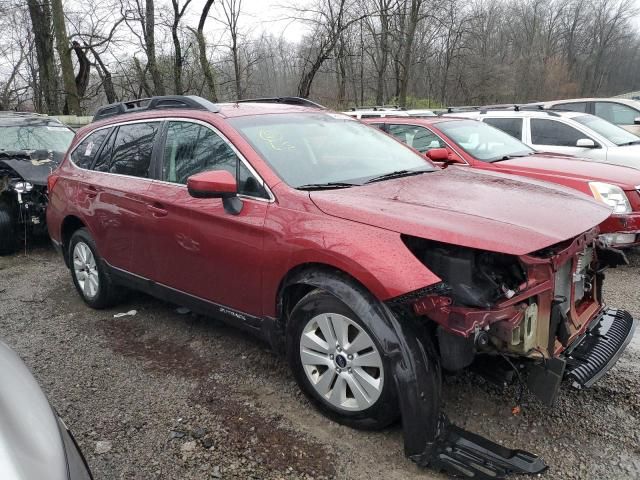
point(376, 112)
point(624, 112)
point(570, 133)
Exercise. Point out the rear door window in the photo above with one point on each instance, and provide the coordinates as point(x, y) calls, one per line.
point(551, 132)
point(512, 126)
point(192, 148)
point(84, 154)
point(419, 138)
point(131, 150)
point(616, 113)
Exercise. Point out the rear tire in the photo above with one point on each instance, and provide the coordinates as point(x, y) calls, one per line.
point(89, 272)
point(8, 230)
point(338, 363)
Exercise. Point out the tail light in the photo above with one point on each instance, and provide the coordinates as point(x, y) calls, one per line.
point(51, 182)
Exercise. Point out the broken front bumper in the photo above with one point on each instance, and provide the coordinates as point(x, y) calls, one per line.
point(587, 358)
point(599, 348)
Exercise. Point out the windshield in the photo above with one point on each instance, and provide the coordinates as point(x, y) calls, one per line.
point(35, 136)
point(611, 132)
point(483, 141)
point(321, 148)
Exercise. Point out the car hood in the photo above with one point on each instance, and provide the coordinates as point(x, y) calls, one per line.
point(556, 167)
point(30, 442)
point(34, 166)
point(483, 210)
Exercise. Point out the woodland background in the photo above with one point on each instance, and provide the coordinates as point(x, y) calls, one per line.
point(73, 55)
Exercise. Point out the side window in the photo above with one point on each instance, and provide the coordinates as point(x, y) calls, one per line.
point(572, 107)
point(130, 152)
point(417, 137)
point(550, 132)
point(616, 113)
point(512, 126)
point(191, 148)
point(86, 150)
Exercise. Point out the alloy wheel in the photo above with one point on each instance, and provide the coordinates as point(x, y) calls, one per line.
point(86, 270)
point(341, 362)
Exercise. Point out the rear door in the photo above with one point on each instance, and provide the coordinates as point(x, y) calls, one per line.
point(114, 195)
point(203, 250)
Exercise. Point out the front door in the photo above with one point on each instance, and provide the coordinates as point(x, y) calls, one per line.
point(200, 248)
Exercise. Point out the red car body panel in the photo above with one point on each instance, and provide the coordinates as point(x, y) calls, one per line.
point(194, 246)
point(451, 210)
point(560, 169)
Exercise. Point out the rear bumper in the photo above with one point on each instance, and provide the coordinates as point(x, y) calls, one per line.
point(596, 351)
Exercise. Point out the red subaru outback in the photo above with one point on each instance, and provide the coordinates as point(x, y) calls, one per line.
point(371, 267)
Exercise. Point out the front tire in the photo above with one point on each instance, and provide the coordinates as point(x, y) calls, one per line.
point(338, 363)
point(88, 272)
point(8, 230)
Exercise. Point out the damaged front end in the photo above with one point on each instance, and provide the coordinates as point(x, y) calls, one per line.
point(23, 191)
point(538, 307)
point(543, 310)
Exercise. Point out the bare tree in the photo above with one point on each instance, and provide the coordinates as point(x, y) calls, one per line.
point(207, 69)
point(178, 13)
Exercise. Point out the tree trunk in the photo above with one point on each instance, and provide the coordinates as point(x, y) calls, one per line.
point(72, 103)
point(41, 22)
point(414, 17)
point(150, 47)
point(207, 71)
point(105, 76)
point(84, 69)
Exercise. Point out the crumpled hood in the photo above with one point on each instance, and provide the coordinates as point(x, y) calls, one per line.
point(554, 166)
point(33, 166)
point(30, 443)
point(483, 210)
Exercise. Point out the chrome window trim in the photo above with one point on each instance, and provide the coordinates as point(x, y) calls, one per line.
point(253, 172)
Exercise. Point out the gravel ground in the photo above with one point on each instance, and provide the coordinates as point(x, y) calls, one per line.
point(164, 395)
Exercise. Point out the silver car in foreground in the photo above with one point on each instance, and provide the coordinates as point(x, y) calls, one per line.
point(34, 442)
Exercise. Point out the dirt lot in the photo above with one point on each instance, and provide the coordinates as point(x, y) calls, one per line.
point(163, 395)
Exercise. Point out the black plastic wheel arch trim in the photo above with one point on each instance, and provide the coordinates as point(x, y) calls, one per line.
point(429, 440)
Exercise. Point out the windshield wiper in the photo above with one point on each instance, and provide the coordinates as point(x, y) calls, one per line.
point(509, 157)
point(397, 174)
point(327, 186)
point(635, 142)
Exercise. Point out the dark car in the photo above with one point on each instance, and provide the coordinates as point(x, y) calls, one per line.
point(31, 147)
point(368, 265)
point(35, 443)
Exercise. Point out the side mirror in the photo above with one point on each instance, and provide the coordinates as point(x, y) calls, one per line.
point(636, 121)
point(586, 143)
point(212, 184)
point(438, 154)
point(216, 184)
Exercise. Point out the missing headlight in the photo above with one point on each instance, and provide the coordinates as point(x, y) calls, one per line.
point(477, 278)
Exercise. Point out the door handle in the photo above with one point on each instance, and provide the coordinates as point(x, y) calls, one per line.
point(157, 210)
point(91, 192)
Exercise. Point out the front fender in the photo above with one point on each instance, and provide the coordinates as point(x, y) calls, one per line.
point(375, 257)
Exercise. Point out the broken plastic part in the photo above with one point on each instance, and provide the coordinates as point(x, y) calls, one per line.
point(464, 454)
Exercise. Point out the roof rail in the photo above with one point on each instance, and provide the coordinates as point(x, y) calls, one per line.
point(518, 108)
point(377, 107)
point(190, 102)
point(302, 102)
point(14, 113)
point(465, 108)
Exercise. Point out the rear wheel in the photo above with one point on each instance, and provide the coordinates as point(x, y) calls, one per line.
point(338, 363)
point(88, 272)
point(8, 230)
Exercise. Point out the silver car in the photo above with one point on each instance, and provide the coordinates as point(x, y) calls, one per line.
point(570, 133)
point(34, 442)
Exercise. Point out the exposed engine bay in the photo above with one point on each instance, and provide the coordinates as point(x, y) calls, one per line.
point(23, 191)
point(534, 307)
